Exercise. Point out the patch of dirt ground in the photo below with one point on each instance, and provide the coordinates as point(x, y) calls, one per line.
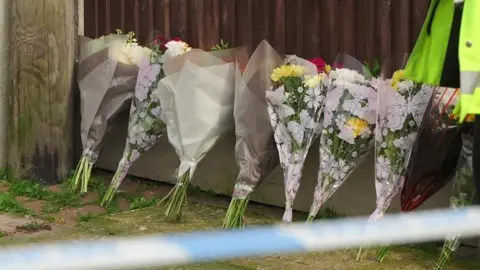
point(204, 213)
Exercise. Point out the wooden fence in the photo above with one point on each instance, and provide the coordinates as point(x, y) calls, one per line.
point(363, 28)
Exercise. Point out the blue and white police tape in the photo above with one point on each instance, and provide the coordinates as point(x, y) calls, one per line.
point(164, 250)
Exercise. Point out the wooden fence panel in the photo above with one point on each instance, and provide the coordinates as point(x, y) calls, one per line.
point(366, 29)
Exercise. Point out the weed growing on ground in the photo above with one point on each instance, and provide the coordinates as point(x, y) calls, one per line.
point(8, 203)
point(141, 202)
point(34, 226)
point(86, 217)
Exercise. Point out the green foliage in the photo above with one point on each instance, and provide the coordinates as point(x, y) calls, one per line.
point(8, 203)
point(374, 69)
point(220, 46)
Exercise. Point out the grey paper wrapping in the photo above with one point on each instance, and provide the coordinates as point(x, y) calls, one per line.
point(197, 99)
point(255, 149)
point(463, 195)
point(145, 127)
point(106, 87)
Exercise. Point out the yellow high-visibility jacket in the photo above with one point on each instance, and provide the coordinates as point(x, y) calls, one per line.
point(447, 52)
point(469, 55)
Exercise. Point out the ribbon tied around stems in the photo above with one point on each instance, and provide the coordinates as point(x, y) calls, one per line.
point(186, 165)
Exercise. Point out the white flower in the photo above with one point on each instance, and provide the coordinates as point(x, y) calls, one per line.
point(277, 98)
point(157, 111)
point(176, 48)
point(383, 167)
point(366, 132)
point(297, 131)
point(326, 162)
point(346, 77)
point(313, 98)
point(383, 145)
point(346, 134)
point(330, 130)
point(406, 142)
point(340, 121)
point(329, 142)
point(354, 154)
point(339, 170)
point(306, 120)
point(136, 134)
point(136, 53)
point(405, 85)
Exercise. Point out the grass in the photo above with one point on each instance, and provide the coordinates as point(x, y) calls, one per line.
point(8, 203)
point(207, 217)
point(147, 217)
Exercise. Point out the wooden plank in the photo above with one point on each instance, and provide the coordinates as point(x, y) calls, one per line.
point(384, 31)
point(365, 25)
point(279, 26)
point(402, 23)
point(195, 26)
point(346, 21)
point(227, 21)
point(245, 26)
point(178, 23)
point(5, 33)
point(212, 23)
point(43, 55)
point(162, 18)
point(311, 33)
point(329, 42)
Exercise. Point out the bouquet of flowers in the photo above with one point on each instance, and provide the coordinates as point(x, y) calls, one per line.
point(107, 73)
point(348, 125)
point(435, 153)
point(145, 127)
point(197, 100)
point(255, 148)
point(463, 195)
point(295, 103)
point(401, 107)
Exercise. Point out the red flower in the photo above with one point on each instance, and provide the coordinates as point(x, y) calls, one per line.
point(319, 63)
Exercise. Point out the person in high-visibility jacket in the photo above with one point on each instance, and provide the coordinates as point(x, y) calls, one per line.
point(447, 52)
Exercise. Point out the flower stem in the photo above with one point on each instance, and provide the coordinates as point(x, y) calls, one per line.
point(362, 252)
point(177, 197)
point(235, 213)
point(448, 248)
point(382, 253)
point(86, 174)
point(310, 219)
point(76, 175)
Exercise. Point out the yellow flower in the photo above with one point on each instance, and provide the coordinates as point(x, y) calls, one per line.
point(357, 125)
point(397, 77)
point(312, 81)
point(287, 71)
point(470, 118)
point(327, 69)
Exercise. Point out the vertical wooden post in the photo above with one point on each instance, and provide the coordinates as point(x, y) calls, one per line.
point(43, 57)
point(5, 25)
